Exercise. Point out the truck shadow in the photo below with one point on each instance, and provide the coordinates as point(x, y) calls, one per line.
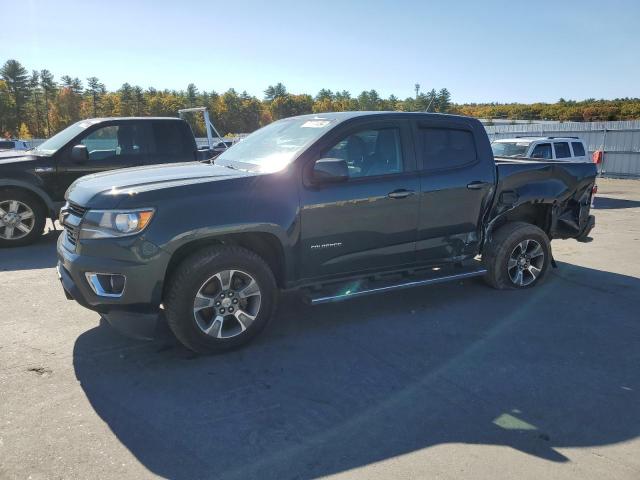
point(331, 388)
point(610, 203)
point(42, 254)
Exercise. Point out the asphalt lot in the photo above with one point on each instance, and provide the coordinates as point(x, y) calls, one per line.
point(448, 381)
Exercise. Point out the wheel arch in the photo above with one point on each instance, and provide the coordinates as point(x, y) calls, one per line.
point(535, 213)
point(34, 190)
point(264, 244)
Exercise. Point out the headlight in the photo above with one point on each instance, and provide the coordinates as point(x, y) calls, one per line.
point(114, 223)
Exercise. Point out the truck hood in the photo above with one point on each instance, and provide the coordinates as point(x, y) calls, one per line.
point(131, 181)
point(14, 156)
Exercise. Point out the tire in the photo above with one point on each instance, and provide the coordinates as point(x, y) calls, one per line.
point(22, 218)
point(517, 256)
point(208, 316)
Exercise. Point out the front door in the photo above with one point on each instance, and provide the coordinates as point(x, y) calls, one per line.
point(368, 222)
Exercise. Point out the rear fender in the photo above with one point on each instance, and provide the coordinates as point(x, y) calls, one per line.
point(567, 217)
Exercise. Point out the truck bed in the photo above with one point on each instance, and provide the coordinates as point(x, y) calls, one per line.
point(566, 187)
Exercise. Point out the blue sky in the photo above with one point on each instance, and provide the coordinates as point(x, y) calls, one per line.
point(480, 50)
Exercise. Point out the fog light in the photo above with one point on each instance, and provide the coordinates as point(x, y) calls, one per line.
point(106, 284)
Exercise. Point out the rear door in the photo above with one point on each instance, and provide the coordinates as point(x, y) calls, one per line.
point(368, 222)
point(457, 176)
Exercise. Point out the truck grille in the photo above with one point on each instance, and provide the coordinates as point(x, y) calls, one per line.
point(76, 210)
point(71, 215)
point(72, 235)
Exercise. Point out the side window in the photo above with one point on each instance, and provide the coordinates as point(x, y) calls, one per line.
point(562, 149)
point(117, 141)
point(578, 149)
point(170, 139)
point(370, 152)
point(446, 147)
point(542, 150)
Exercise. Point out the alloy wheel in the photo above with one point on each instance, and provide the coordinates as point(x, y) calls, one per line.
point(227, 304)
point(525, 262)
point(16, 219)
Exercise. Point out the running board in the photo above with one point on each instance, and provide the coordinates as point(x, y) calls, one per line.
point(351, 290)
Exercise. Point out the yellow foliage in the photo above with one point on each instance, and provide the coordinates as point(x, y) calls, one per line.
point(24, 133)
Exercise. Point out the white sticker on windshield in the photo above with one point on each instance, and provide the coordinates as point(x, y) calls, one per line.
point(315, 124)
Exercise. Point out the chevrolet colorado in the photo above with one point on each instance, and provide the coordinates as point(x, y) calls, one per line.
point(336, 205)
point(33, 182)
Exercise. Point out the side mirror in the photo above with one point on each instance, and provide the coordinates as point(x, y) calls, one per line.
point(79, 154)
point(330, 170)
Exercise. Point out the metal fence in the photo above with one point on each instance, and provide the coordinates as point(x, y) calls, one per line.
point(620, 141)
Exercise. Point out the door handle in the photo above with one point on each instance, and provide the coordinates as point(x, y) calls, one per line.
point(400, 193)
point(477, 185)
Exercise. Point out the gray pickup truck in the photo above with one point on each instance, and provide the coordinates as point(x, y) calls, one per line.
point(336, 206)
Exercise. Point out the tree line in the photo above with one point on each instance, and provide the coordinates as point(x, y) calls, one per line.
point(38, 105)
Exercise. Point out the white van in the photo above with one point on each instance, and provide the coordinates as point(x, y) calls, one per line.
point(568, 149)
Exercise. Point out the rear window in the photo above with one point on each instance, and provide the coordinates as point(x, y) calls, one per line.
point(562, 149)
point(446, 147)
point(6, 144)
point(170, 138)
point(578, 149)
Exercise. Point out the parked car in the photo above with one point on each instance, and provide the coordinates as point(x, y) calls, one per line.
point(14, 145)
point(32, 183)
point(567, 149)
point(336, 206)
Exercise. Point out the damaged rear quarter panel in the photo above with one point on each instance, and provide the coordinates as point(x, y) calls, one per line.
point(564, 188)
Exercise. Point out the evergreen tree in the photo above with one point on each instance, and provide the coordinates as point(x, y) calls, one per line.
point(272, 92)
point(49, 88)
point(192, 95)
point(443, 100)
point(95, 91)
point(16, 79)
point(126, 100)
point(35, 91)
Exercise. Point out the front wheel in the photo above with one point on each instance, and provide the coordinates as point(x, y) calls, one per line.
point(220, 298)
point(22, 218)
point(517, 256)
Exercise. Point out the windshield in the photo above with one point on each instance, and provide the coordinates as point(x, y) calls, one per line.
point(51, 146)
point(275, 146)
point(510, 149)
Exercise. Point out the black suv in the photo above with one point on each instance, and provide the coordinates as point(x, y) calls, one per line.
point(335, 205)
point(33, 182)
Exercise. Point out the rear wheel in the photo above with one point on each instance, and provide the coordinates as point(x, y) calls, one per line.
point(22, 218)
point(517, 256)
point(220, 298)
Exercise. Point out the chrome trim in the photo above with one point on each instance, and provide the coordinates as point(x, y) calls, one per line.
point(399, 286)
point(94, 283)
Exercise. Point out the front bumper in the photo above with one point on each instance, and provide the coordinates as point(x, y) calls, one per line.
point(136, 312)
